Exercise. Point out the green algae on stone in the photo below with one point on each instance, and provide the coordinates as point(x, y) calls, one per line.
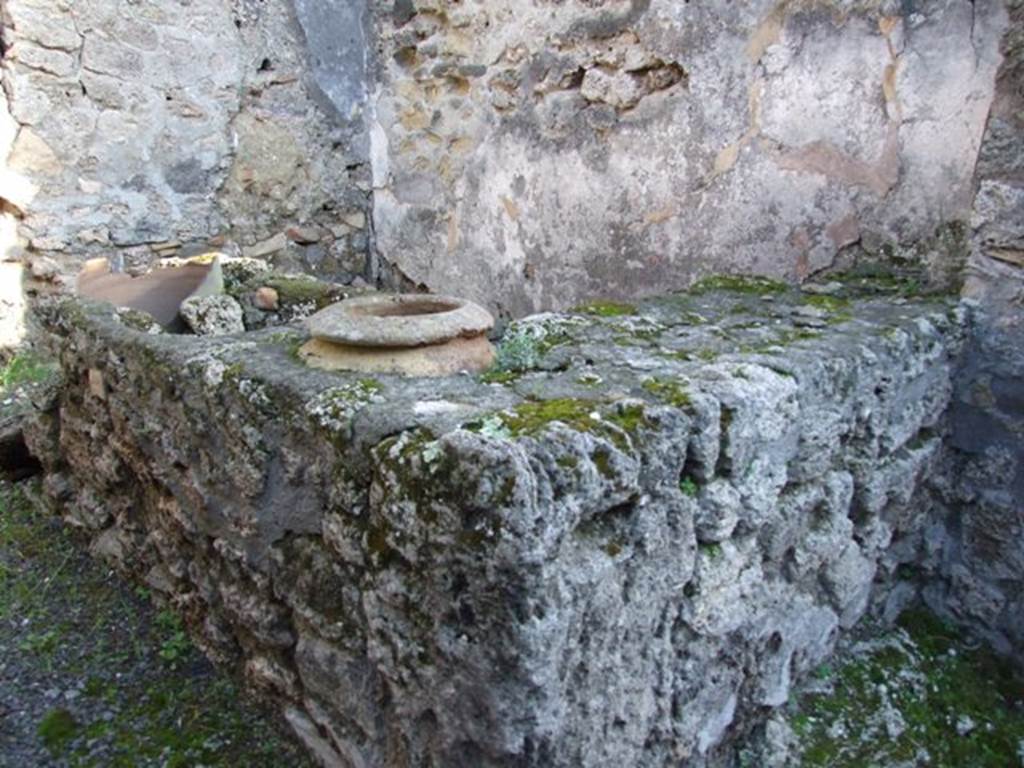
point(622, 340)
point(781, 339)
point(689, 487)
point(530, 418)
point(302, 289)
point(603, 461)
point(668, 390)
point(138, 320)
point(748, 284)
point(828, 303)
point(333, 407)
point(627, 416)
point(25, 368)
point(567, 462)
point(498, 376)
point(604, 308)
point(633, 336)
point(612, 548)
point(713, 549)
point(233, 372)
point(789, 336)
point(291, 339)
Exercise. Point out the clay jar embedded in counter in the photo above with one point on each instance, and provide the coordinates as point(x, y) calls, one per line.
point(410, 334)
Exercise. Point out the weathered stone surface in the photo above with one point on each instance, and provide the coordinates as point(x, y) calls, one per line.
point(451, 572)
point(594, 149)
point(523, 156)
point(266, 247)
point(978, 549)
point(149, 126)
point(212, 315)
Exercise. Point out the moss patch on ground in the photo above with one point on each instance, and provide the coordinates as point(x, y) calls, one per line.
point(93, 675)
point(919, 695)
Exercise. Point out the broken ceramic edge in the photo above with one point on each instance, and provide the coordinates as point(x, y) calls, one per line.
point(159, 292)
point(399, 320)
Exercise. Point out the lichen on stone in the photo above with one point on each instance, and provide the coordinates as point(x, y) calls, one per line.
point(333, 407)
point(525, 343)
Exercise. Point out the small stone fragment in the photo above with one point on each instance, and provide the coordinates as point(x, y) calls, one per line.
point(965, 724)
point(212, 315)
point(44, 268)
point(808, 316)
point(169, 245)
point(304, 235)
point(49, 244)
point(356, 220)
point(265, 298)
point(266, 247)
point(97, 387)
point(809, 322)
point(718, 513)
point(822, 289)
point(239, 270)
point(807, 310)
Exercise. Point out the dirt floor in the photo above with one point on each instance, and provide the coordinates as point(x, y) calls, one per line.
point(93, 674)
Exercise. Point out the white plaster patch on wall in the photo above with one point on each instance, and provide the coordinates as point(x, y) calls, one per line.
point(786, 135)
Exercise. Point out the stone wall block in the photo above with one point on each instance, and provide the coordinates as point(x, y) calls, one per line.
point(564, 570)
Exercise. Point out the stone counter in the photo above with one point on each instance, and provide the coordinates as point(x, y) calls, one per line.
point(621, 550)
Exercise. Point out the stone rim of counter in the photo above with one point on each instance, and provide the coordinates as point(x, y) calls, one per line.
point(618, 344)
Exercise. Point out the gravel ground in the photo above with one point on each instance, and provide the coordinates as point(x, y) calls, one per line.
point(93, 674)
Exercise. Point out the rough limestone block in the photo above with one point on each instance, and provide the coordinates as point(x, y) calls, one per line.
point(212, 315)
point(624, 555)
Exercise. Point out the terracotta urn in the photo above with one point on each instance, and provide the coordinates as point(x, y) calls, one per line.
point(410, 334)
point(159, 292)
